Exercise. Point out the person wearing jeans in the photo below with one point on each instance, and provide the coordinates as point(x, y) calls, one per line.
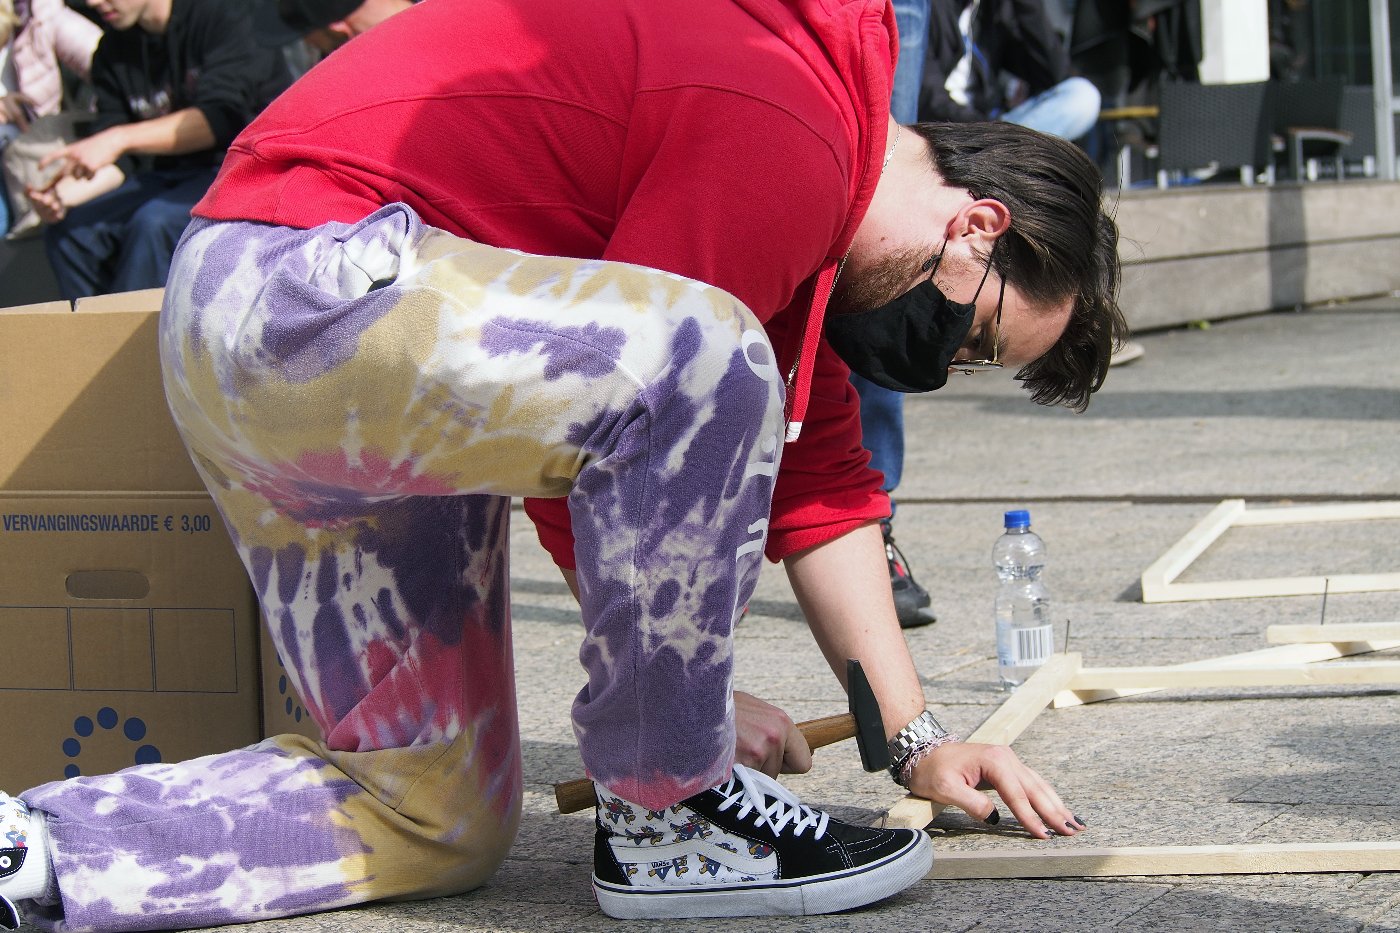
point(951, 55)
point(975, 45)
point(881, 409)
point(175, 82)
point(123, 241)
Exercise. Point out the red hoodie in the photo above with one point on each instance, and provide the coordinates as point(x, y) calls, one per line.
point(736, 142)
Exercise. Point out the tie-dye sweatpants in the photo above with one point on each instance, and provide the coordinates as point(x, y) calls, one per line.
point(362, 402)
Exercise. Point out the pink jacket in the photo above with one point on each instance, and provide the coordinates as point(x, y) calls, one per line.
point(49, 34)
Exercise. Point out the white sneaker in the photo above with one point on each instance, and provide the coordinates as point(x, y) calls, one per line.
point(24, 858)
point(1129, 351)
point(745, 848)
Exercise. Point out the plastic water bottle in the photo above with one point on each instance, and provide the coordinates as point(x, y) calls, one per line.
point(1025, 637)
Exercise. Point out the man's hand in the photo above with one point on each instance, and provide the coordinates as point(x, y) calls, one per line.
point(766, 739)
point(953, 774)
point(47, 203)
point(17, 109)
point(86, 157)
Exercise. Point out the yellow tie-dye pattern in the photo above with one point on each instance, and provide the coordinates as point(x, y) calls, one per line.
point(426, 819)
point(398, 391)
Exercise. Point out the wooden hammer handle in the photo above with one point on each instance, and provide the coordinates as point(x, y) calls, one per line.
point(573, 796)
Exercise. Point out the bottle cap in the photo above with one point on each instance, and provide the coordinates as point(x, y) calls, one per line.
point(1018, 518)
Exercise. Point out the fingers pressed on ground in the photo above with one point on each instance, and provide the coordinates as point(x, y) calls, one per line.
point(1024, 811)
point(1048, 805)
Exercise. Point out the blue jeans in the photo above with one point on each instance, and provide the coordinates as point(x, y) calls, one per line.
point(1068, 110)
point(8, 131)
point(911, 18)
point(123, 240)
point(881, 410)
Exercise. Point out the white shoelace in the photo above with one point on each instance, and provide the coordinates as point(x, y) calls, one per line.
point(752, 789)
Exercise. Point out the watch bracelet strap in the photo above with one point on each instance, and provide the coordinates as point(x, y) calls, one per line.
point(922, 735)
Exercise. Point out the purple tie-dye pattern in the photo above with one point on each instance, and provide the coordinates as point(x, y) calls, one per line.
point(314, 328)
point(123, 823)
point(322, 333)
point(596, 353)
point(666, 524)
point(377, 549)
point(260, 568)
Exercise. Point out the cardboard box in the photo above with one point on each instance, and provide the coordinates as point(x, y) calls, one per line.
point(129, 625)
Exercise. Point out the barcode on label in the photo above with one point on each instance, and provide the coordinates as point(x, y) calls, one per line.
point(1033, 645)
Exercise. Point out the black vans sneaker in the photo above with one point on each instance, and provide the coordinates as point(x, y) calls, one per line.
point(745, 848)
point(911, 601)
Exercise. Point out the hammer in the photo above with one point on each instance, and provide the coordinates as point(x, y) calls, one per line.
point(863, 722)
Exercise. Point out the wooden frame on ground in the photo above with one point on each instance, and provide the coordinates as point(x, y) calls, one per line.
point(1241, 859)
point(1158, 580)
point(1307, 653)
point(1063, 678)
point(1321, 634)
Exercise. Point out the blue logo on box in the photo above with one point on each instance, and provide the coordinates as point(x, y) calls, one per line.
point(293, 708)
point(133, 729)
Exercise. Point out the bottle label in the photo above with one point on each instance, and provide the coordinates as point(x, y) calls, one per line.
point(1032, 646)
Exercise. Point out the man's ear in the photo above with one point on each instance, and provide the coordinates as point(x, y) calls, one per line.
point(985, 219)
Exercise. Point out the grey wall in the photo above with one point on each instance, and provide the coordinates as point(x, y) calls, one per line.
point(1205, 253)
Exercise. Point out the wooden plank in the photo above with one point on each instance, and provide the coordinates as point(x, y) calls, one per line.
point(1157, 578)
point(1038, 860)
point(1361, 672)
point(1264, 657)
point(1273, 586)
point(1315, 634)
point(1001, 728)
point(1028, 701)
point(1312, 514)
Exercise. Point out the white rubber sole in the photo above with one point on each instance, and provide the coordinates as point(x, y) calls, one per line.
point(818, 894)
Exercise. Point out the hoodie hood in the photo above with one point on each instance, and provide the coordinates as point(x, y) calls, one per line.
point(851, 46)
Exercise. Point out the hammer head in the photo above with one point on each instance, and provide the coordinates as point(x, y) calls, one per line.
point(870, 728)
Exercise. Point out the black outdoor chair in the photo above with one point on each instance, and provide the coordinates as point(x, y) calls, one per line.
point(1359, 119)
point(1307, 124)
point(1225, 126)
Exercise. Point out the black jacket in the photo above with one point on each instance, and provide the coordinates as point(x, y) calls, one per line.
point(1013, 36)
point(206, 59)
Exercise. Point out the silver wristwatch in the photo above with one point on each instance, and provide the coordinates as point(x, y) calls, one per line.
point(923, 731)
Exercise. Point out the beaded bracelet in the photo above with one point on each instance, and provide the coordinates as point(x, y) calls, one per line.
point(903, 770)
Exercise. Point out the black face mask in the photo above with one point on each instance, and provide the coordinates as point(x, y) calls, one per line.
point(907, 344)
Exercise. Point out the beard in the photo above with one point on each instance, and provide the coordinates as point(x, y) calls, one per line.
point(881, 283)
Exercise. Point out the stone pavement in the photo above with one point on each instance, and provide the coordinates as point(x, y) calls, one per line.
point(1277, 409)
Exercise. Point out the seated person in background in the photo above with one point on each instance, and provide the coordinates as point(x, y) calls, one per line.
point(37, 36)
point(975, 45)
point(176, 80)
point(326, 25)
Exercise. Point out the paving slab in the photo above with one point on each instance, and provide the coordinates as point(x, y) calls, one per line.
point(1302, 906)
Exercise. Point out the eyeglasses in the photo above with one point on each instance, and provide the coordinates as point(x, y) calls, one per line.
point(986, 364)
point(968, 367)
